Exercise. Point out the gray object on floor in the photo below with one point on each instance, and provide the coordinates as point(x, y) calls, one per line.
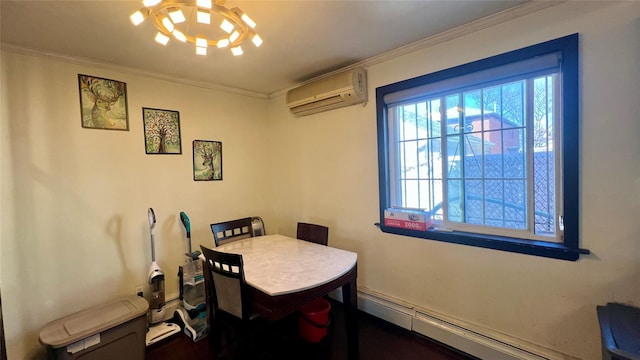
point(113, 330)
point(620, 331)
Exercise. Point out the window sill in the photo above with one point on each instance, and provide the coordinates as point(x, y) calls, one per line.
point(528, 247)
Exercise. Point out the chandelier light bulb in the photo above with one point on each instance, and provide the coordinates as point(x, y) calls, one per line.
point(179, 35)
point(201, 42)
point(237, 51)
point(176, 16)
point(234, 36)
point(162, 38)
point(257, 40)
point(150, 3)
point(223, 43)
point(203, 16)
point(137, 18)
point(248, 21)
point(168, 24)
point(227, 26)
point(204, 3)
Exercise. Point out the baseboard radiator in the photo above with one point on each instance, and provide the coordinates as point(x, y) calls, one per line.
point(475, 341)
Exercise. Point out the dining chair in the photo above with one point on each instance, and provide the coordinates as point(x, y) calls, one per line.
point(257, 226)
point(228, 300)
point(233, 230)
point(313, 233)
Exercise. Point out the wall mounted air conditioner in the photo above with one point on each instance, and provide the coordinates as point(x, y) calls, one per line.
point(335, 91)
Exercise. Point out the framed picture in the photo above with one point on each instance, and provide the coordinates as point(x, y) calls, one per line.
point(161, 131)
point(103, 103)
point(207, 160)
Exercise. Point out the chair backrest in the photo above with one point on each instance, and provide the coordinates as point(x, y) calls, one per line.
point(313, 233)
point(257, 226)
point(233, 230)
point(226, 283)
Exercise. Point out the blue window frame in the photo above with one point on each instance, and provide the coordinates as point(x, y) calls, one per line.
point(486, 152)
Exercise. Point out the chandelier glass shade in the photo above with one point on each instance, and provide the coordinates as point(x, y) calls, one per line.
point(189, 21)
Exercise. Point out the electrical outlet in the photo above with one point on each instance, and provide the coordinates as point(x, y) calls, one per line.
point(139, 290)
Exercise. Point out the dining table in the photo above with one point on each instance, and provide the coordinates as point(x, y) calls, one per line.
point(284, 273)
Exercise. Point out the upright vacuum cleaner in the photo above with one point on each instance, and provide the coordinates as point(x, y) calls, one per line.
point(192, 315)
point(158, 330)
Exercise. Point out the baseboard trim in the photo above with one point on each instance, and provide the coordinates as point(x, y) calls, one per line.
point(392, 312)
point(473, 340)
point(468, 341)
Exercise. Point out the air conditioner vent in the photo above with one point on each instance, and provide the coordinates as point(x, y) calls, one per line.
point(336, 91)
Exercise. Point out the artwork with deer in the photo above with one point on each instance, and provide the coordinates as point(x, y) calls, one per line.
point(103, 103)
point(207, 160)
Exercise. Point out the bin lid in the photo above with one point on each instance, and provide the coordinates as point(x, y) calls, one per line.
point(77, 326)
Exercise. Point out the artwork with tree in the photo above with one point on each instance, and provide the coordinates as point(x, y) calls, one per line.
point(161, 131)
point(207, 160)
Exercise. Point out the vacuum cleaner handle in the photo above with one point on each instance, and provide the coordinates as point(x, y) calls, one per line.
point(187, 226)
point(185, 221)
point(152, 219)
point(152, 230)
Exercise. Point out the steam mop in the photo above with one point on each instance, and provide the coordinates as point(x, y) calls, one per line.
point(192, 315)
point(158, 330)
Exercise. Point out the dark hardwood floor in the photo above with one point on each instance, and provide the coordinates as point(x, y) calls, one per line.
point(379, 340)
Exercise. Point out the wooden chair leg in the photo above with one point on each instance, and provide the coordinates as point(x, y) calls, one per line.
point(215, 333)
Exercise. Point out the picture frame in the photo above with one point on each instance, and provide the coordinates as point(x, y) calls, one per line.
point(103, 103)
point(207, 160)
point(161, 131)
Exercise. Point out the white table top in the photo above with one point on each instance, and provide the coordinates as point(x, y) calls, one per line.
point(277, 264)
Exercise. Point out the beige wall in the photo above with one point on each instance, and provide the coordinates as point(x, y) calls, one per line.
point(75, 231)
point(328, 165)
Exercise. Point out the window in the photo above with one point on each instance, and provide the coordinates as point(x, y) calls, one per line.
point(488, 151)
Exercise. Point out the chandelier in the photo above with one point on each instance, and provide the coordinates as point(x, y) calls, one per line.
point(175, 18)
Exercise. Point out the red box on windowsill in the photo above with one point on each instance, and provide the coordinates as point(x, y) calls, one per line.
point(407, 219)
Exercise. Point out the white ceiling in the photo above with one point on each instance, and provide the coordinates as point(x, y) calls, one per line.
point(302, 38)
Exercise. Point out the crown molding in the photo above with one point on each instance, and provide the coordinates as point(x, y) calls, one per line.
point(527, 8)
point(124, 69)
